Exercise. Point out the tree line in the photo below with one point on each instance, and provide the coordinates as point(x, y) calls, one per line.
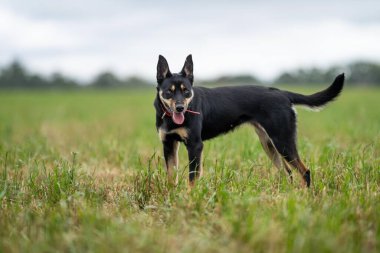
point(358, 73)
point(16, 76)
point(361, 73)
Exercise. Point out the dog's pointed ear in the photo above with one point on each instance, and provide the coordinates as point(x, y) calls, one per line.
point(163, 70)
point(187, 70)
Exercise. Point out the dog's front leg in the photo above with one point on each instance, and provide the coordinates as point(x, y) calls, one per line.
point(194, 149)
point(171, 160)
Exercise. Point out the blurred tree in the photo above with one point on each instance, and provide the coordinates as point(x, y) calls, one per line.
point(136, 82)
point(59, 81)
point(14, 75)
point(364, 73)
point(358, 73)
point(36, 81)
point(106, 80)
point(286, 78)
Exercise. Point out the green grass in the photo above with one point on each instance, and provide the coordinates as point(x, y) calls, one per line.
point(83, 172)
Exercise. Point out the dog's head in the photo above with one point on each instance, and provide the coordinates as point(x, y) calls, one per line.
point(175, 90)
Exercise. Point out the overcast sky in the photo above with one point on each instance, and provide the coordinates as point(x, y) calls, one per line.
point(264, 38)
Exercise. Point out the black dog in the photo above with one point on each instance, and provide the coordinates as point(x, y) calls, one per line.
point(194, 114)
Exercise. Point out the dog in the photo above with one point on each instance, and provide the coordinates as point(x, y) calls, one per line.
point(192, 115)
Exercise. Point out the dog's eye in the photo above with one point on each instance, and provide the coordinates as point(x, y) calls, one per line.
point(187, 93)
point(168, 93)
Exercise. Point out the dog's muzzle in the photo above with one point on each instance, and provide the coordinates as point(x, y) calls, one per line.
point(180, 107)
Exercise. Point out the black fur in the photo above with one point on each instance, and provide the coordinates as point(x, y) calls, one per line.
point(223, 109)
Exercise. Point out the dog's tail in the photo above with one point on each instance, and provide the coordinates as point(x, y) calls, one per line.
point(318, 99)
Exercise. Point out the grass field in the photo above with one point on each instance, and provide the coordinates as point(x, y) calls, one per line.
point(83, 172)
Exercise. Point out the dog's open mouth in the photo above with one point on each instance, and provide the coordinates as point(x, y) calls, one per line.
point(178, 117)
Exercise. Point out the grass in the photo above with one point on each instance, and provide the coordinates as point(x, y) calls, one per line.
point(83, 172)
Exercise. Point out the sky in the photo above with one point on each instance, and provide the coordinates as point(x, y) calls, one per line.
point(262, 38)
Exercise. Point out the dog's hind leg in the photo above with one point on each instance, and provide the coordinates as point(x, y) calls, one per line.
point(271, 151)
point(287, 168)
point(171, 160)
point(288, 149)
point(304, 171)
point(281, 129)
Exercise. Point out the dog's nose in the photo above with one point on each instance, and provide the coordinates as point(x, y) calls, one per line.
point(179, 108)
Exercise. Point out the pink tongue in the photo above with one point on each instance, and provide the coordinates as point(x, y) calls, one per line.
point(178, 118)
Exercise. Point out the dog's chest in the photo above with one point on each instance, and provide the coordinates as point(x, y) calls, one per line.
point(181, 132)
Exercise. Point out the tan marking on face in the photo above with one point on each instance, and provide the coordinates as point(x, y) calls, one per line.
point(188, 100)
point(172, 165)
point(167, 102)
point(172, 88)
point(182, 87)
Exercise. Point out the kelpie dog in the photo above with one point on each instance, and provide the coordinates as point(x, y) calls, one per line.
point(194, 114)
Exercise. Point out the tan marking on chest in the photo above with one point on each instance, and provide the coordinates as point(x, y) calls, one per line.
point(182, 132)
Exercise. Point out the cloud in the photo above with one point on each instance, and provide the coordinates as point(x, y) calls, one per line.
point(28, 34)
point(81, 38)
